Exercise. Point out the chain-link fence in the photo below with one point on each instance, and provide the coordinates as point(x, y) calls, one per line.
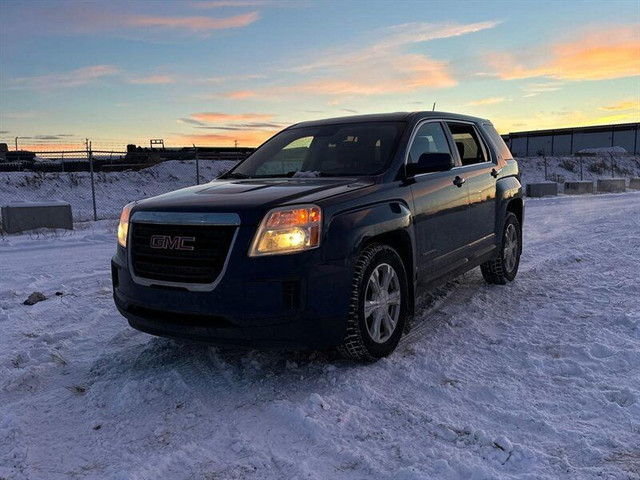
point(97, 184)
point(579, 167)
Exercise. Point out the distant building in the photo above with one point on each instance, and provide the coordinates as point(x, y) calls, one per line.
point(568, 141)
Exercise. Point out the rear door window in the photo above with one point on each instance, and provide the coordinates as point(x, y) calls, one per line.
point(502, 150)
point(468, 143)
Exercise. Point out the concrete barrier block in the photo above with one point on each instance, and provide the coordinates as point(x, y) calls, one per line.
point(611, 185)
point(578, 188)
point(634, 183)
point(21, 216)
point(542, 189)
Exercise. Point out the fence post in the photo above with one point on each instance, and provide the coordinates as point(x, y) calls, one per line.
point(93, 187)
point(580, 157)
point(197, 165)
point(612, 163)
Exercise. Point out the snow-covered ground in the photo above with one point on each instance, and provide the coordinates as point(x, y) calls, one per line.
point(538, 379)
point(115, 189)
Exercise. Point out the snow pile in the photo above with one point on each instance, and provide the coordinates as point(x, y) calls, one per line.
point(536, 379)
point(603, 151)
point(113, 189)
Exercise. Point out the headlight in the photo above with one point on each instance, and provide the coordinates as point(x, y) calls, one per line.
point(288, 230)
point(123, 226)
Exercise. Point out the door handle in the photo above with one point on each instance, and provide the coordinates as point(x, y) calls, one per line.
point(495, 173)
point(458, 181)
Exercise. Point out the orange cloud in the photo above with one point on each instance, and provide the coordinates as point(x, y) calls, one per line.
point(239, 94)
point(215, 117)
point(620, 118)
point(382, 65)
point(594, 56)
point(245, 138)
point(387, 74)
point(485, 101)
point(632, 105)
point(197, 23)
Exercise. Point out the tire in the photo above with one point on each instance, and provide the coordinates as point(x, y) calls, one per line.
point(387, 311)
point(504, 267)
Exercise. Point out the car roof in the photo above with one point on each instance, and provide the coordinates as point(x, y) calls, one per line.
point(389, 117)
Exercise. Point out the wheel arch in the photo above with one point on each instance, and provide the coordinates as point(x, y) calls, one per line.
point(389, 223)
point(400, 241)
point(510, 199)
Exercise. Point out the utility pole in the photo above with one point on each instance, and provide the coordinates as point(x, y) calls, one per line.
point(17, 144)
point(197, 165)
point(235, 142)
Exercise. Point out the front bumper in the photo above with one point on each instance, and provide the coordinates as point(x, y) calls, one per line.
point(283, 301)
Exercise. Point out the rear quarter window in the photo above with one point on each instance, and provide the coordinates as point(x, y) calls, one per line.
point(502, 150)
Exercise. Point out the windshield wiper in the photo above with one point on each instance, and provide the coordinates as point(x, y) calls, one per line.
point(235, 175)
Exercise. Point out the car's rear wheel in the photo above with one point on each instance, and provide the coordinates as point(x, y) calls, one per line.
point(504, 267)
point(378, 308)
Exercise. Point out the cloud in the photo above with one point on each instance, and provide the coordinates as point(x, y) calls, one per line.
point(419, 32)
point(190, 121)
point(25, 114)
point(115, 18)
point(197, 24)
point(622, 106)
point(387, 42)
point(485, 101)
point(385, 75)
point(380, 64)
point(620, 118)
point(231, 78)
point(151, 80)
point(534, 89)
point(216, 117)
point(245, 126)
point(239, 94)
point(87, 75)
point(606, 53)
point(73, 78)
point(4, 132)
point(244, 138)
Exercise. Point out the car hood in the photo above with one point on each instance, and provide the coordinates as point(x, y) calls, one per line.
point(250, 198)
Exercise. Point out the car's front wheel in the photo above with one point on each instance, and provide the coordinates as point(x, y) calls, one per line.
point(378, 308)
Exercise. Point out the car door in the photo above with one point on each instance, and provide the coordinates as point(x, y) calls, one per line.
point(480, 173)
point(441, 214)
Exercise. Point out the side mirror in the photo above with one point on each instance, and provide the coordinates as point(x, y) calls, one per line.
point(430, 162)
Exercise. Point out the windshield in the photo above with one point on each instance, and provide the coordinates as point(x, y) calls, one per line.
point(348, 149)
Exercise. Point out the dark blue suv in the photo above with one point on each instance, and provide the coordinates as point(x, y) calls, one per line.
point(325, 236)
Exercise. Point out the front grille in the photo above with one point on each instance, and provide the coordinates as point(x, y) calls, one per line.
point(202, 264)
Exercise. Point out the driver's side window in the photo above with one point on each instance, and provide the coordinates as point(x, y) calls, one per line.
point(430, 138)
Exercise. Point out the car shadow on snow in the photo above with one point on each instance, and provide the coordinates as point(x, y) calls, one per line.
point(196, 366)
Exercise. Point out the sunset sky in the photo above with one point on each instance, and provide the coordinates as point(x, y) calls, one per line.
point(212, 72)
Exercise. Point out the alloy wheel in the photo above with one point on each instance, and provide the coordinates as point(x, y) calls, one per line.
point(382, 303)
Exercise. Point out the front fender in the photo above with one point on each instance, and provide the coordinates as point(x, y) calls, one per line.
point(348, 231)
